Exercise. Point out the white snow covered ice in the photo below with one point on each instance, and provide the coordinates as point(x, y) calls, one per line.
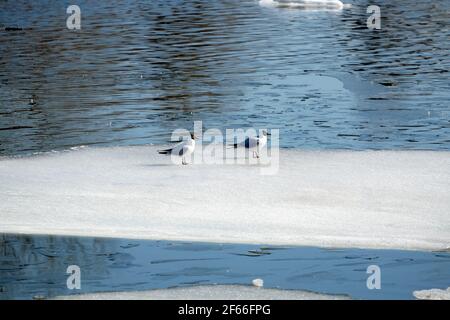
point(206, 292)
point(366, 199)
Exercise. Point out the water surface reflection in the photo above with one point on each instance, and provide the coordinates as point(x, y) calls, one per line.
point(139, 69)
point(35, 266)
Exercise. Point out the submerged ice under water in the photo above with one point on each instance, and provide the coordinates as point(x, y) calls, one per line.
point(139, 69)
point(35, 266)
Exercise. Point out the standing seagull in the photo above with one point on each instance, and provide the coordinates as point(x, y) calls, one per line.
point(252, 143)
point(182, 149)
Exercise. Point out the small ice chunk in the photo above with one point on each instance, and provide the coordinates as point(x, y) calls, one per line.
point(258, 282)
point(432, 294)
point(305, 4)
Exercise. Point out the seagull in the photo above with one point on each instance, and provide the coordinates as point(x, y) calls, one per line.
point(182, 149)
point(252, 143)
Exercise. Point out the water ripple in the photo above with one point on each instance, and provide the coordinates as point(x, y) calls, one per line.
point(138, 70)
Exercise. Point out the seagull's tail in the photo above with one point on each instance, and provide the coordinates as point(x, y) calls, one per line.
point(165, 151)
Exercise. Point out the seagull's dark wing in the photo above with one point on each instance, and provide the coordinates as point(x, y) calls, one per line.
point(247, 143)
point(241, 144)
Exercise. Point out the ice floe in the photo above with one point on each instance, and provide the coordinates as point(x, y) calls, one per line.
point(366, 199)
point(206, 292)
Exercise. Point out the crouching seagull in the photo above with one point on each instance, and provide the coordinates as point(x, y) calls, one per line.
point(253, 143)
point(182, 149)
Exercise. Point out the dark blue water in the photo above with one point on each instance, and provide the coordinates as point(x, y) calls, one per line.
point(139, 69)
point(35, 266)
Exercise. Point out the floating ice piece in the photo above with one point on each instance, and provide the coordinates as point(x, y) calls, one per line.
point(258, 283)
point(305, 4)
point(365, 199)
point(207, 292)
point(432, 294)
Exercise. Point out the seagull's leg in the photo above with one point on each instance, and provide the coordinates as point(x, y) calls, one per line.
point(257, 154)
point(254, 154)
point(183, 161)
